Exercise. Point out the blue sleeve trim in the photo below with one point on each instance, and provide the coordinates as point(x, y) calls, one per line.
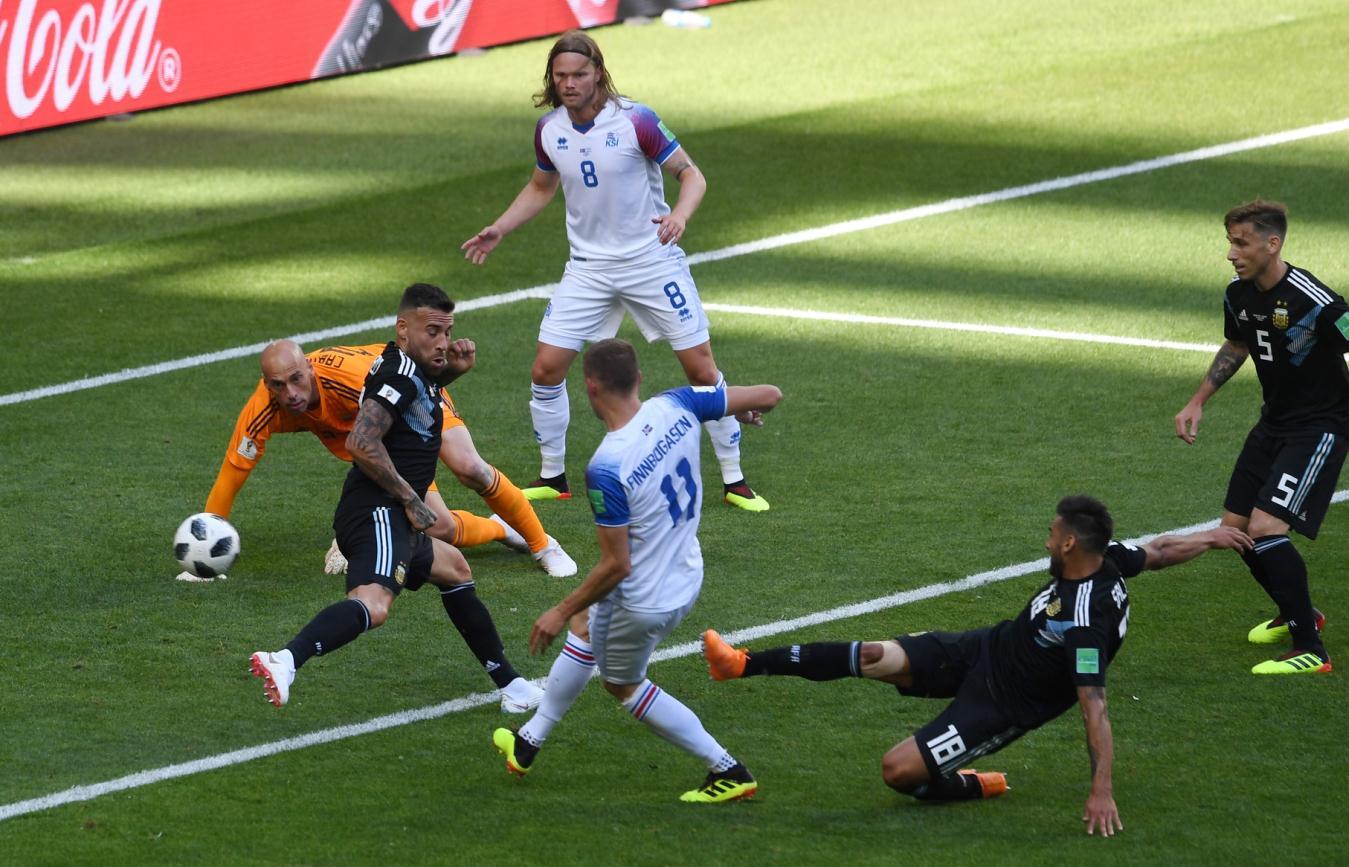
point(668, 152)
point(608, 500)
point(706, 402)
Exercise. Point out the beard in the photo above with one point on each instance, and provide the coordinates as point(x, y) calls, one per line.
point(1055, 567)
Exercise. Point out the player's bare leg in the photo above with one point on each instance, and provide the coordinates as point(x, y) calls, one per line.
point(519, 525)
point(700, 368)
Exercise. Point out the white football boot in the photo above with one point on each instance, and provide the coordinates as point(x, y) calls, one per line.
point(555, 561)
point(277, 671)
point(513, 539)
point(520, 696)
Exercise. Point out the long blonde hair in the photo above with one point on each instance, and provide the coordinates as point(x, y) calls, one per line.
point(576, 42)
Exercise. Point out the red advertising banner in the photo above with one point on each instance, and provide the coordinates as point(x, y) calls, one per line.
point(63, 61)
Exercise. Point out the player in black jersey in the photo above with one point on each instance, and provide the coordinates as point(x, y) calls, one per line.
point(1006, 679)
point(379, 523)
point(1297, 331)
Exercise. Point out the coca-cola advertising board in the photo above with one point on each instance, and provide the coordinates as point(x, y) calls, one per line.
point(63, 61)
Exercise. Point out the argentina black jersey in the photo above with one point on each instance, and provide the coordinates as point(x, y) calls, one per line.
point(413, 442)
point(1065, 637)
point(1297, 334)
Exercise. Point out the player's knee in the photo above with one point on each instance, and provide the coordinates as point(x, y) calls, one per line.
point(472, 472)
point(378, 611)
point(547, 371)
point(458, 571)
point(620, 691)
point(703, 374)
point(871, 654)
point(900, 775)
point(1264, 524)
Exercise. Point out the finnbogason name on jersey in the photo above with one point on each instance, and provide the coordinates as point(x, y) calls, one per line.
point(663, 447)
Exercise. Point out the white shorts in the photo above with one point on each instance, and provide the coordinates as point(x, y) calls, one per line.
point(623, 640)
point(657, 291)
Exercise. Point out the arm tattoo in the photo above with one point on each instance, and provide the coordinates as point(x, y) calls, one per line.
point(1225, 363)
point(366, 444)
point(678, 168)
point(1094, 694)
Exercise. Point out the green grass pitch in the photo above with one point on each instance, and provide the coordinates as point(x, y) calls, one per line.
point(900, 457)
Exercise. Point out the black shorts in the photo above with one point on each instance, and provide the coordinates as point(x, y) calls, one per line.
point(1290, 476)
point(954, 665)
point(381, 548)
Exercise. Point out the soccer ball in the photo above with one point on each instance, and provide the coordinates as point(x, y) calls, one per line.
point(206, 545)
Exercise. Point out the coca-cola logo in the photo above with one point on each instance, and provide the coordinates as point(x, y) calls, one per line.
point(106, 50)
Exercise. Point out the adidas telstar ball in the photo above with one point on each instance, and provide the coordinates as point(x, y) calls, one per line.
point(206, 545)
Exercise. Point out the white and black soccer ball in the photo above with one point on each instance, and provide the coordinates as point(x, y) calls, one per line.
point(206, 545)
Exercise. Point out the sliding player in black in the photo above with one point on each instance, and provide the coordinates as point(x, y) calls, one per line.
point(1008, 679)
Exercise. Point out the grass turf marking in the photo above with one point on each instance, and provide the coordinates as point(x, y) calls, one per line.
point(77, 794)
point(803, 236)
point(938, 325)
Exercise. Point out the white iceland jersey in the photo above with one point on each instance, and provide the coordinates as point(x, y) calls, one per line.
point(610, 172)
point(646, 476)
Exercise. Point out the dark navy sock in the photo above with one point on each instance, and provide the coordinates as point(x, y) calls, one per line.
point(1287, 574)
point(334, 626)
point(474, 623)
point(822, 660)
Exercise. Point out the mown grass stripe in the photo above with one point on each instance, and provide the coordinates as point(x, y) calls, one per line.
point(77, 794)
point(771, 243)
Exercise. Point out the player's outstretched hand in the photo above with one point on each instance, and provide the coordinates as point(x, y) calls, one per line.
point(548, 627)
point(671, 228)
point(1230, 537)
point(751, 417)
point(476, 248)
point(1187, 422)
point(1101, 813)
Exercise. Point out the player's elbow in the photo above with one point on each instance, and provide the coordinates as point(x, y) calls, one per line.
point(358, 447)
point(617, 568)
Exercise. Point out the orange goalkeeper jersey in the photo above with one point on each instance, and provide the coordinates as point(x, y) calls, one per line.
point(340, 372)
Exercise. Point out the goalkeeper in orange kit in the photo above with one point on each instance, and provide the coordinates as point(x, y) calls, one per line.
point(320, 393)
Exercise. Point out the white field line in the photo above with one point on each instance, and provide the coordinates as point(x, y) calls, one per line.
point(468, 702)
point(889, 218)
point(251, 349)
point(937, 325)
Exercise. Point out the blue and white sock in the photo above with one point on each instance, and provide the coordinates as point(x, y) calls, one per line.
point(725, 436)
point(671, 719)
point(567, 678)
point(550, 409)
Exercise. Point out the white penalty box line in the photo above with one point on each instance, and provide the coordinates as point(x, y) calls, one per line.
point(788, 239)
point(78, 794)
